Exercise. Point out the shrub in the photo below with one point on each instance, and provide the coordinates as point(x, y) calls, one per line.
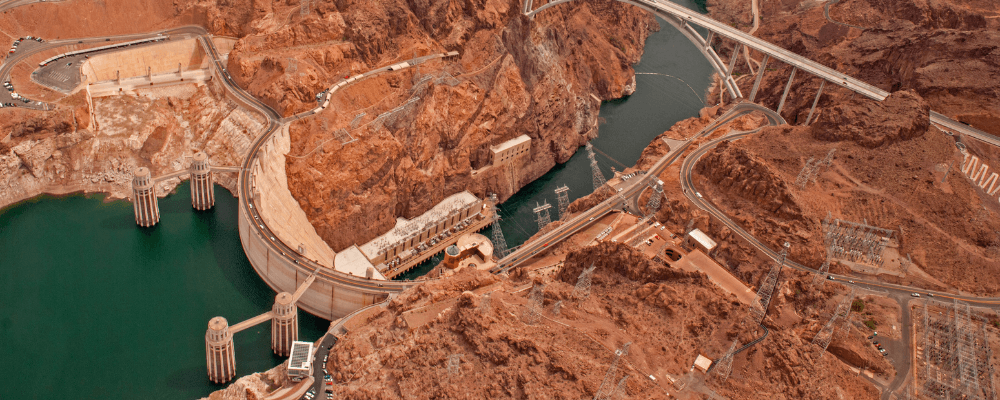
point(870, 324)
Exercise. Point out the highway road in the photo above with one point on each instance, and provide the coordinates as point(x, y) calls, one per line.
point(31, 48)
point(629, 194)
point(690, 191)
point(674, 12)
point(274, 123)
point(244, 185)
point(319, 363)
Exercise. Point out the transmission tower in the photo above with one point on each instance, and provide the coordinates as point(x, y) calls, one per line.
point(610, 375)
point(824, 269)
point(582, 288)
point(825, 335)
point(557, 308)
point(758, 308)
point(357, 118)
point(725, 364)
point(534, 311)
point(562, 194)
point(542, 214)
point(599, 180)
point(806, 172)
point(305, 8)
point(618, 387)
point(499, 243)
point(654, 198)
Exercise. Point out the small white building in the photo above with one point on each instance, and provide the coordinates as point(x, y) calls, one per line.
point(300, 361)
point(703, 363)
point(511, 149)
point(699, 240)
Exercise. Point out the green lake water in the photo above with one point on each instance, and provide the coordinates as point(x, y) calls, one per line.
point(93, 307)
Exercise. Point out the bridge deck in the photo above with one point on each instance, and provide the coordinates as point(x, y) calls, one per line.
point(251, 322)
point(303, 287)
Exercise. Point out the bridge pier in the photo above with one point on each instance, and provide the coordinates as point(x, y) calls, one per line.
point(760, 74)
point(788, 85)
point(732, 60)
point(284, 324)
point(816, 100)
point(147, 211)
point(202, 195)
point(219, 351)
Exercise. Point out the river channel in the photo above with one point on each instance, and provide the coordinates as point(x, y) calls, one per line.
point(93, 307)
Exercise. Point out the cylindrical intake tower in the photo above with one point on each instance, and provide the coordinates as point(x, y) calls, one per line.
point(219, 351)
point(147, 212)
point(202, 195)
point(284, 324)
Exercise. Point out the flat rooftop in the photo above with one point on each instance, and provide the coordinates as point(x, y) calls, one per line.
point(703, 239)
point(352, 261)
point(405, 229)
point(511, 143)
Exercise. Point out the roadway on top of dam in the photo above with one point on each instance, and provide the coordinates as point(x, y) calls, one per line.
point(275, 122)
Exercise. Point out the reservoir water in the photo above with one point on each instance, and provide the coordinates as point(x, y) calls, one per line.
point(93, 307)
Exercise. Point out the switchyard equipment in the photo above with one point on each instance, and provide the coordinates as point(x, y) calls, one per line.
point(956, 361)
point(855, 242)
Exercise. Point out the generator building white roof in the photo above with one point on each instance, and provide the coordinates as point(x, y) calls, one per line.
point(405, 228)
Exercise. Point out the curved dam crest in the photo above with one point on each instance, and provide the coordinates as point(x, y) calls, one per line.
point(130, 318)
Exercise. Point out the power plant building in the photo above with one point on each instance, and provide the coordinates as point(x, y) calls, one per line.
point(409, 238)
point(511, 149)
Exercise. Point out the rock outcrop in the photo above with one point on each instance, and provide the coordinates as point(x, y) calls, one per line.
point(901, 116)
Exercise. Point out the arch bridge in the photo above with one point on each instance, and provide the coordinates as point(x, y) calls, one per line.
point(688, 21)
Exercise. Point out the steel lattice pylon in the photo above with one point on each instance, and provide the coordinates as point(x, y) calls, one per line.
point(534, 311)
point(725, 364)
point(758, 307)
point(582, 288)
point(605, 392)
point(654, 198)
point(499, 243)
point(562, 195)
point(825, 335)
point(599, 180)
point(542, 214)
point(454, 364)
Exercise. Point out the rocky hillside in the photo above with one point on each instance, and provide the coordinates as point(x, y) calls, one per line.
point(668, 318)
point(543, 78)
point(946, 51)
